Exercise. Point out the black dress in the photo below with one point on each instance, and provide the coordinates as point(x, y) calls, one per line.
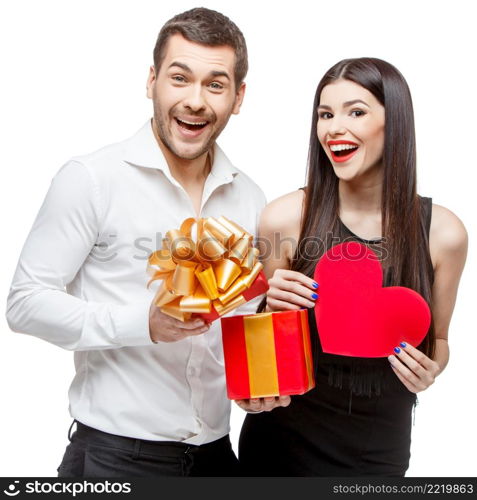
point(356, 421)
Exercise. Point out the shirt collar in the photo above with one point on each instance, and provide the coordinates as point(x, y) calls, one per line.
point(142, 150)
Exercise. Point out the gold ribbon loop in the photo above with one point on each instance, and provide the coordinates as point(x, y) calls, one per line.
point(209, 248)
point(196, 303)
point(183, 281)
point(209, 269)
point(226, 272)
point(224, 235)
point(209, 283)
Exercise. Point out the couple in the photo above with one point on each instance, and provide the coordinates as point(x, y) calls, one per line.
point(148, 398)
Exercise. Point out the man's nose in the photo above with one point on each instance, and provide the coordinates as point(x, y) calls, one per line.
point(195, 100)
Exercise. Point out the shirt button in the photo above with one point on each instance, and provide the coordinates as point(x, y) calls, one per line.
point(191, 371)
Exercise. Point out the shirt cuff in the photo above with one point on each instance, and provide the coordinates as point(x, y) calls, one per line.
point(132, 324)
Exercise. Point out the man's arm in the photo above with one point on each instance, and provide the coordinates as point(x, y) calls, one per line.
point(60, 240)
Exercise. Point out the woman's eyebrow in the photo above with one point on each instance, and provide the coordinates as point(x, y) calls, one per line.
point(347, 104)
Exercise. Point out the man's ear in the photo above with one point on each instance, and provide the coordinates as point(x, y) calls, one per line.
point(239, 99)
point(150, 81)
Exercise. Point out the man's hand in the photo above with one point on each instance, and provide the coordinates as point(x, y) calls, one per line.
point(263, 404)
point(164, 328)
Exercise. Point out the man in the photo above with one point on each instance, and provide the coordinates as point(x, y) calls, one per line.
point(149, 392)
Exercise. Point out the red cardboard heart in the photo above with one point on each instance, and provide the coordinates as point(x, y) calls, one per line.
point(355, 315)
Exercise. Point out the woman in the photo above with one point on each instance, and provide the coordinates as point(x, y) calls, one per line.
point(361, 186)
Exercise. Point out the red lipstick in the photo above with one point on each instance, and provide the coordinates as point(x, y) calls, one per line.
point(342, 150)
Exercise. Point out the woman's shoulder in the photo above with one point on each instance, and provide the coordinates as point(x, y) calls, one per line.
point(447, 233)
point(284, 213)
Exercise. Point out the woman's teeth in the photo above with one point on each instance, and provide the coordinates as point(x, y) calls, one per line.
point(342, 147)
point(340, 150)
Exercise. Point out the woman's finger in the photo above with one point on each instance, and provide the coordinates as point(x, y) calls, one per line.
point(293, 287)
point(418, 355)
point(410, 387)
point(288, 275)
point(279, 305)
point(290, 297)
point(410, 362)
point(403, 370)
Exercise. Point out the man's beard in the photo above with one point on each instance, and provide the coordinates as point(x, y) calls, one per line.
point(161, 130)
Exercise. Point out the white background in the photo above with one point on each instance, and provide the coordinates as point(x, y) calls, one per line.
point(73, 80)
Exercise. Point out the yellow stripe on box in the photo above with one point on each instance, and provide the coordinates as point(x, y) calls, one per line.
point(261, 358)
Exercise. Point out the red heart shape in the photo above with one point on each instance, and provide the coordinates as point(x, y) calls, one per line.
point(355, 315)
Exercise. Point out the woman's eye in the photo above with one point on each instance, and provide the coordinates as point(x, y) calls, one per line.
point(325, 115)
point(357, 112)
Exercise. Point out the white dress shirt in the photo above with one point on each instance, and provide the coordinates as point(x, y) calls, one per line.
point(81, 281)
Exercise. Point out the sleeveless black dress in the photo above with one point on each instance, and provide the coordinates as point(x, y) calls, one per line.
point(356, 421)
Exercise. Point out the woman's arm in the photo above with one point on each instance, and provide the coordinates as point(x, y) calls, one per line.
point(448, 246)
point(448, 243)
point(279, 231)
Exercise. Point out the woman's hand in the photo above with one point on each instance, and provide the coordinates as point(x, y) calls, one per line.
point(257, 405)
point(413, 368)
point(290, 290)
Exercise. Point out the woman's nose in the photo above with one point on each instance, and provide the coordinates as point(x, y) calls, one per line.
point(336, 126)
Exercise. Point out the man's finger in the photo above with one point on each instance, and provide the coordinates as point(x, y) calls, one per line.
point(269, 403)
point(284, 400)
point(191, 324)
point(255, 404)
point(195, 331)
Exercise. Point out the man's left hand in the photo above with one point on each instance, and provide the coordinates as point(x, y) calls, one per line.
point(257, 405)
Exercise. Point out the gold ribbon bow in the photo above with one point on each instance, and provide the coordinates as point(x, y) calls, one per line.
point(210, 272)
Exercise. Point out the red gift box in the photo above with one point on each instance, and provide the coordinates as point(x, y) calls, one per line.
point(267, 354)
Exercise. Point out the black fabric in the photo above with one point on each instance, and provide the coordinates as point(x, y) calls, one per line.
point(356, 421)
point(93, 453)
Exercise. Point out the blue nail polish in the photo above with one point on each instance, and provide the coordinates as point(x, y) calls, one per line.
point(403, 344)
point(315, 285)
point(397, 350)
point(314, 296)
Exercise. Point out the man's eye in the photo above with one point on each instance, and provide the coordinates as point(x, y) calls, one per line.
point(325, 115)
point(179, 78)
point(216, 86)
point(357, 112)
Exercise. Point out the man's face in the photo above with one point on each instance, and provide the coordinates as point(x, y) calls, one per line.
point(193, 95)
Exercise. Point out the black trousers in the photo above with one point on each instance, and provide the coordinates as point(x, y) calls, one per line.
point(93, 453)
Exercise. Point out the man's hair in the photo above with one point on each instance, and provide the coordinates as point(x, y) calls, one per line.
point(207, 27)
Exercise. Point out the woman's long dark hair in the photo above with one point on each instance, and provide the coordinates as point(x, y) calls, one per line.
point(404, 235)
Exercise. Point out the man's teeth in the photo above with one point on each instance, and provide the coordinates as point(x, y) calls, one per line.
point(342, 147)
point(191, 123)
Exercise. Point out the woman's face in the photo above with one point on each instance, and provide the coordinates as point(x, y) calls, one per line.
point(351, 129)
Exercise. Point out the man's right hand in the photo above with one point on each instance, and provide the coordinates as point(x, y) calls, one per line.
point(164, 328)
